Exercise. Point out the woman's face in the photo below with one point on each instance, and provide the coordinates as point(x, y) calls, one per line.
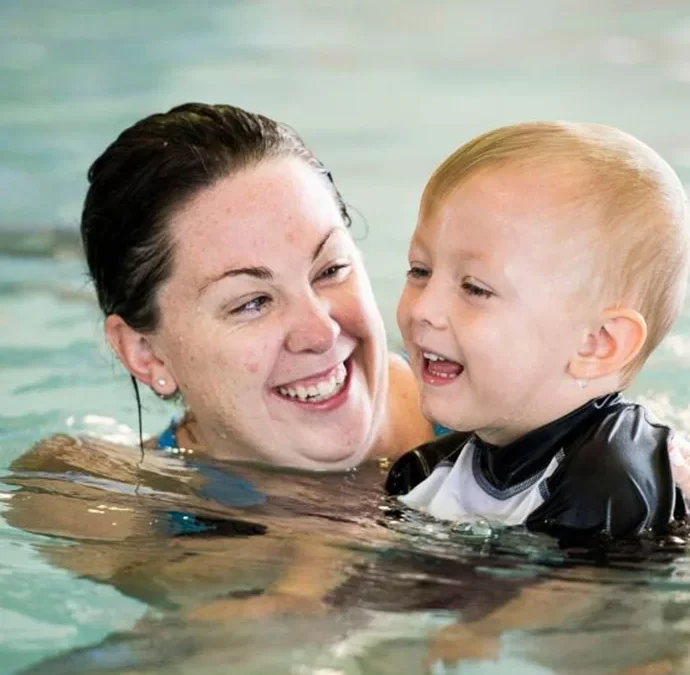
point(268, 323)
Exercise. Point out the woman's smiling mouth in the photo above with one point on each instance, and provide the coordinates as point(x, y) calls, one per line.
point(317, 389)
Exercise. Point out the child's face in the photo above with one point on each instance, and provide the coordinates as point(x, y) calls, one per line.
point(495, 288)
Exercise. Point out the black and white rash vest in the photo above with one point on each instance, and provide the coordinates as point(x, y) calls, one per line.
point(601, 469)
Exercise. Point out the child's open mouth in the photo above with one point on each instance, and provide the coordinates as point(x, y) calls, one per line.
point(440, 370)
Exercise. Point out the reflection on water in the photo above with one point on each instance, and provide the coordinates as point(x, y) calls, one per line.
point(323, 574)
point(336, 584)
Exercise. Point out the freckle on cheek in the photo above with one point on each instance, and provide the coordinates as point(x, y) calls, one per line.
point(252, 367)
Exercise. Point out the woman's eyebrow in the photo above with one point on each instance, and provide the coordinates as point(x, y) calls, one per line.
point(319, 248)
point(262, 273)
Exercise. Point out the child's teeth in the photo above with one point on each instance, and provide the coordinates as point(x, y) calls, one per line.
point(432, 357)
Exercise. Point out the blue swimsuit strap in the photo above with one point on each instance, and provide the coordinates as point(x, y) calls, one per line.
point(440, 430)
point(168, 438)
point(220, 486)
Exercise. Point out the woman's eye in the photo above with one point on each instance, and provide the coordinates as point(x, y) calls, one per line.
point(333, 271)
point(253, 306)
point(416, 272)
point(477, 291)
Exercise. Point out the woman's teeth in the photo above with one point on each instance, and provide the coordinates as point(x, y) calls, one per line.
point(321, 391)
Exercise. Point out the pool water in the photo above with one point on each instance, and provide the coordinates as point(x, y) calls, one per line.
point(382, 91)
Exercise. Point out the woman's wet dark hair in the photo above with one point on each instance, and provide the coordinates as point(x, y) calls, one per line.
point(150, 171)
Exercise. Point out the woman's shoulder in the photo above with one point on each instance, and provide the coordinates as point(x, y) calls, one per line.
point(64, 453)
point(411, 428)
point(401, 369)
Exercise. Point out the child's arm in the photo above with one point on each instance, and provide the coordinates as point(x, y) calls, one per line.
point(679, 453)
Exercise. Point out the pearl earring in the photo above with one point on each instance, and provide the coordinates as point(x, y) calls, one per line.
point(162, 381)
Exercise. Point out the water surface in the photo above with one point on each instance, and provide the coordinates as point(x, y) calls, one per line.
point(382, 91)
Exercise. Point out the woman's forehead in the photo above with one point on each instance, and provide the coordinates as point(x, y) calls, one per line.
point(276, 210)
point(274, 192)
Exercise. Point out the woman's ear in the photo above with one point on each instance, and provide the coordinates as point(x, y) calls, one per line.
point(610, 346)
point(136, 354)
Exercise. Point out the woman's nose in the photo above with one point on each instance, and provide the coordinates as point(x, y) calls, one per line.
point(313, 328)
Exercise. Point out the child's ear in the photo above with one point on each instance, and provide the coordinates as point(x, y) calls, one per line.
point(136, 353)
point(611, 346)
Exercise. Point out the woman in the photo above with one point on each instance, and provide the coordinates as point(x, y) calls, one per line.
point(218, 246)
point(219, 249)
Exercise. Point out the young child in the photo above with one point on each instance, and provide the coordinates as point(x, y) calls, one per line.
point(549, 261)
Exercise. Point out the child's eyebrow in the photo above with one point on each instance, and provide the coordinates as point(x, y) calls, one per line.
point(493, 270)
point(471, 255)
point(420, 242)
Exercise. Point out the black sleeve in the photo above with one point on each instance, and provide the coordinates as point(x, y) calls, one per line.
point(416, 465)
point(616, 482)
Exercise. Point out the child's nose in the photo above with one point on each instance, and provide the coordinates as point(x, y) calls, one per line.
point(313, 328)
point(431, 306)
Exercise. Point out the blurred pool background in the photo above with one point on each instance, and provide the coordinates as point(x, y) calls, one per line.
point(382, 91)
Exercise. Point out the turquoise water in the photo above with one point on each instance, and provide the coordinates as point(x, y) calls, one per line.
point(382, 91)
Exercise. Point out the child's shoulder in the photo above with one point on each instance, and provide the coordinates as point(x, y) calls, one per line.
point(630, 430)
point(417, 465)
point(659, 441)
point(616, 478)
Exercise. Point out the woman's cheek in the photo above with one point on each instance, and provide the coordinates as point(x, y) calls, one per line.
point(259, 358)
point(360, 313)
point(354, 318)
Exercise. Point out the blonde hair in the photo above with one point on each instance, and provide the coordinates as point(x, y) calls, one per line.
point(641, 213)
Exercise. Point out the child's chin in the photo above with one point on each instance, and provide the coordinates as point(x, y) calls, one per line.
point(446, 418)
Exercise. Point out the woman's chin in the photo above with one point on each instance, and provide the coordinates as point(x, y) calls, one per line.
point(334, 456)
point(336, 434)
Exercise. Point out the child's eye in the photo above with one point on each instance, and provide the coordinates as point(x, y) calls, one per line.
point(334, 271)
point(253, 306)
point(416, 273)
point(475, 290)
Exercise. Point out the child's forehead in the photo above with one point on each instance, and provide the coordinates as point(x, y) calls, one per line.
point(511, 219)
point(511, 203)
point(512, 190)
